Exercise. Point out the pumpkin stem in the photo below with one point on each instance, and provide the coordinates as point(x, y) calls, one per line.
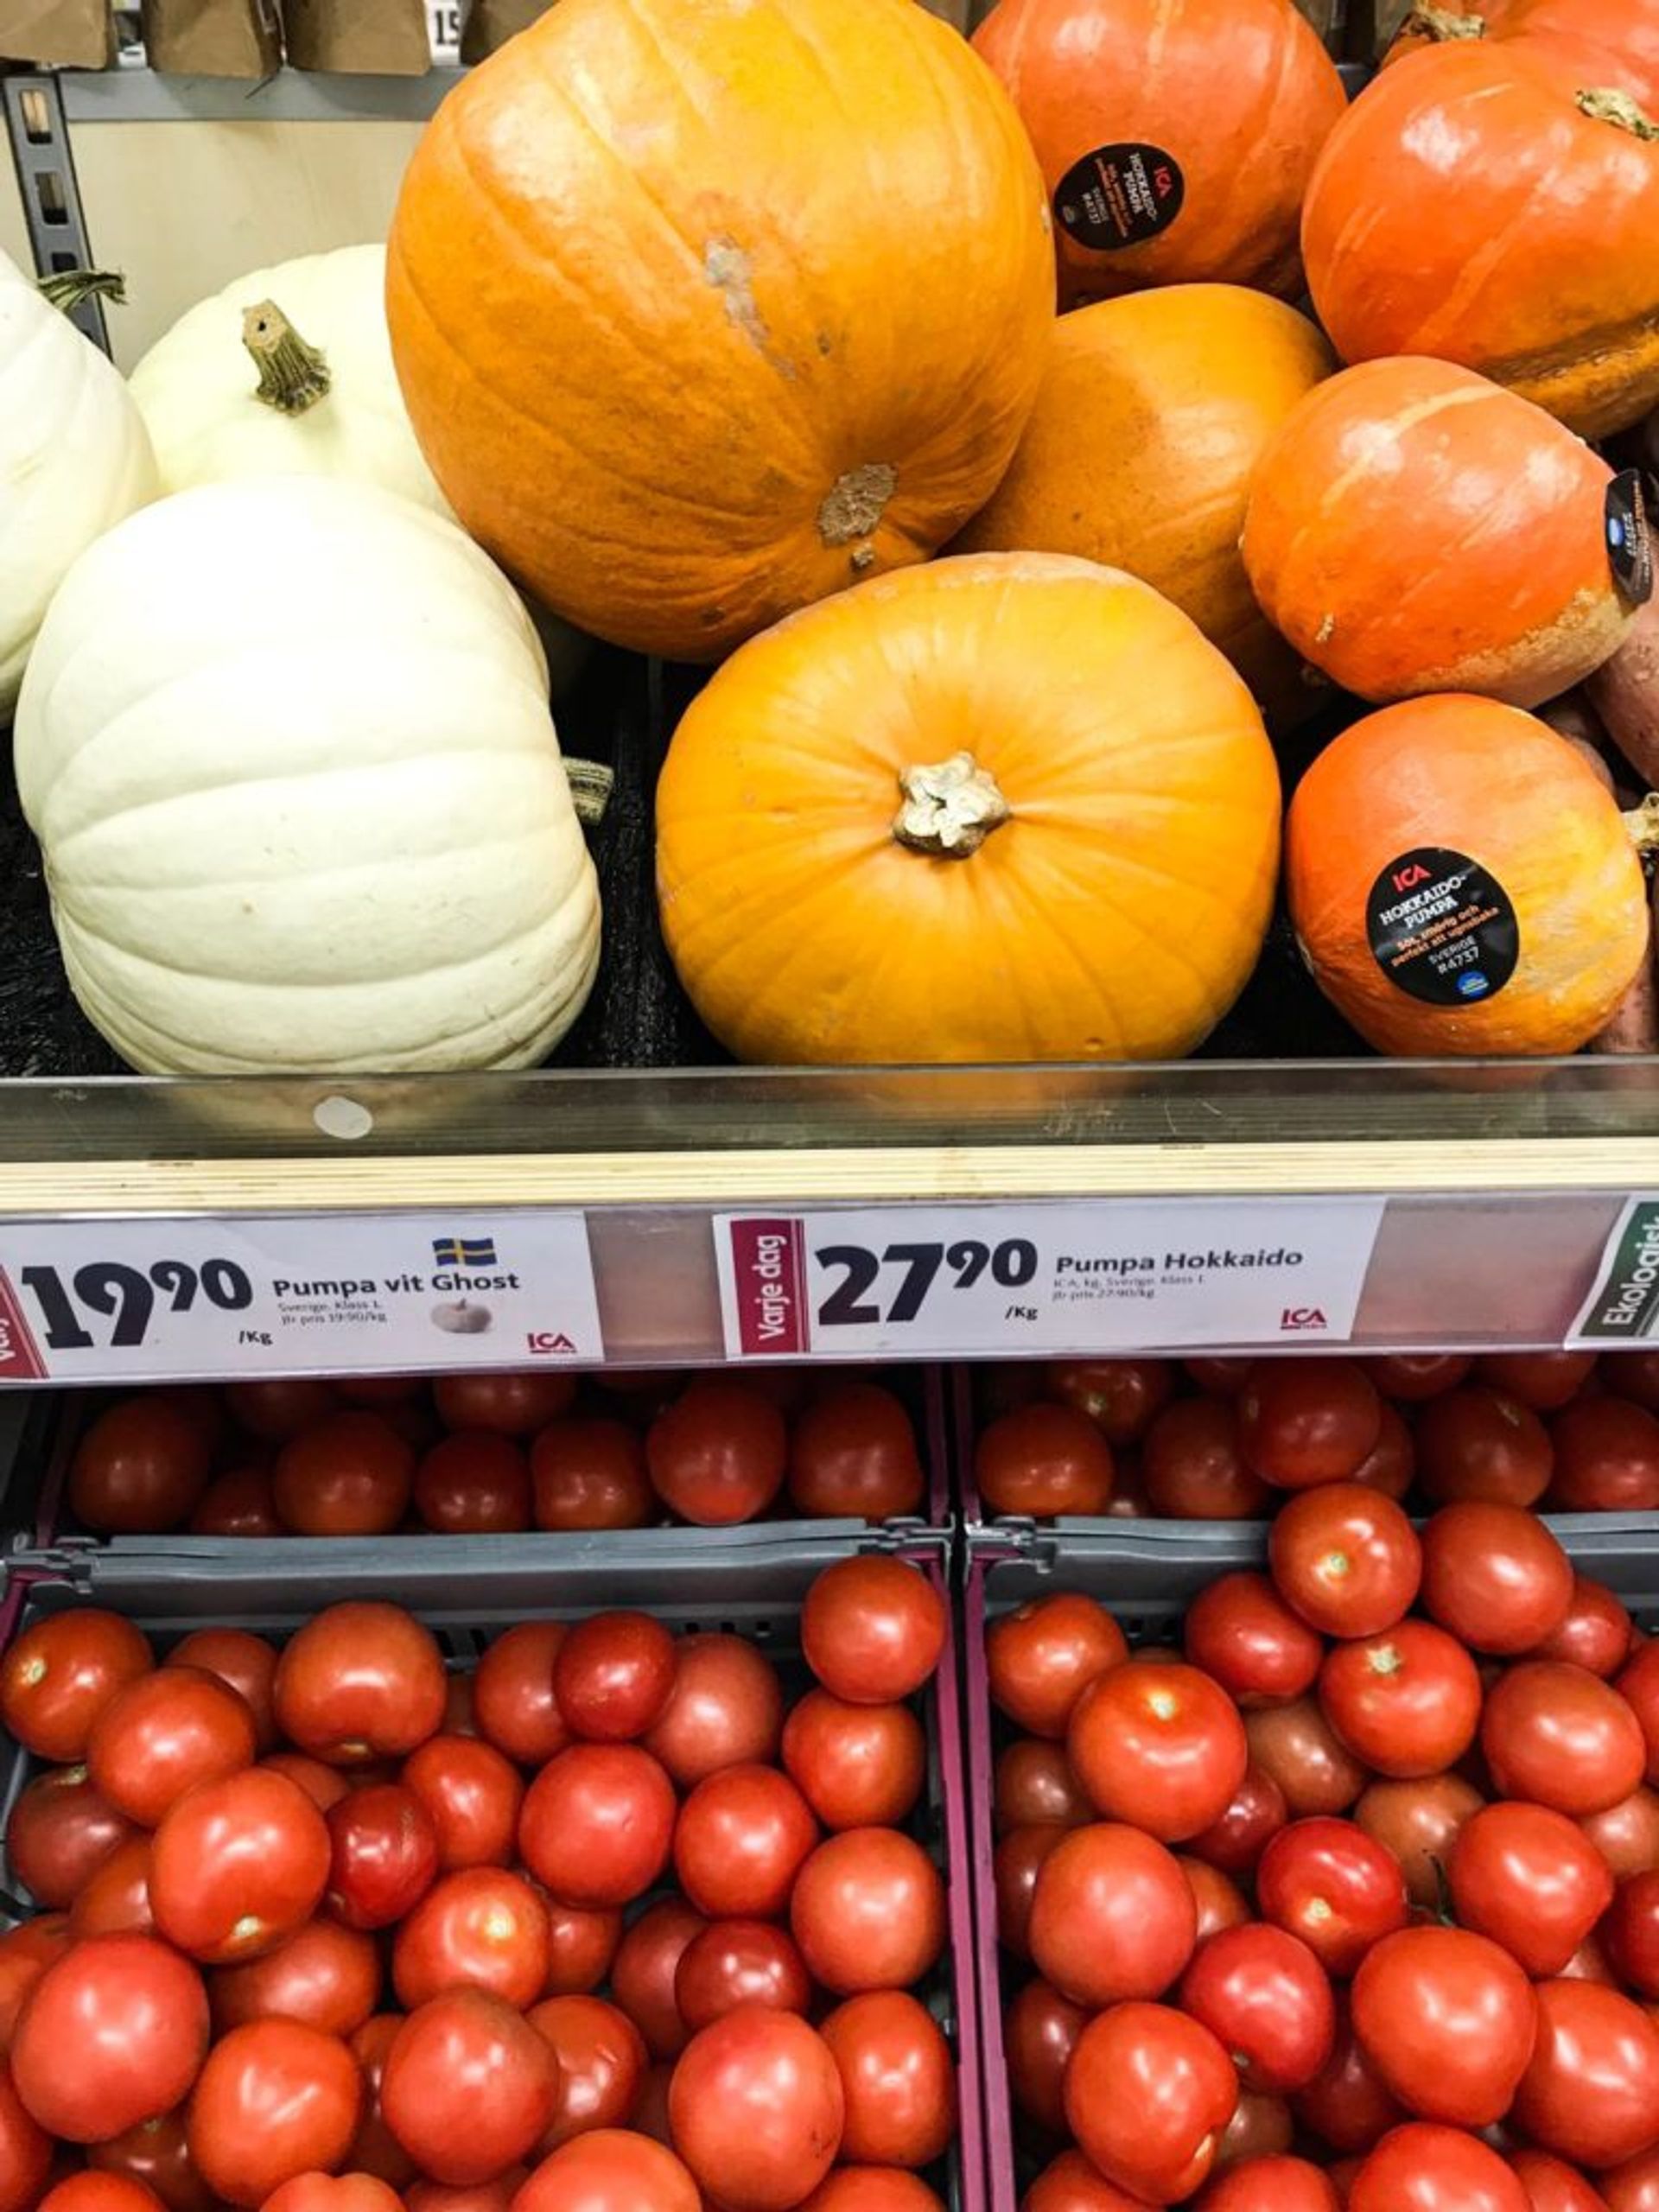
point(1605, 104)
point(1429, 22)
point(950, 809)
point(70, 288)
point(1642, 822)
point(591, 783)
point(292, 376)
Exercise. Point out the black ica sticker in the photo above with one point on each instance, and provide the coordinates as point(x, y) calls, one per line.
point(1630, 540)
point(1119, 195)
point(1442, 928)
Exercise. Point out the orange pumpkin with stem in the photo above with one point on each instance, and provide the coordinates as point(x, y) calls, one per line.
point(1011, 806)
point(1462, 884)
point(700, 312)
point(1489, 210)
point(1414, 527)
point(1148, 428)
point(1614, 42)
point(1176, 136)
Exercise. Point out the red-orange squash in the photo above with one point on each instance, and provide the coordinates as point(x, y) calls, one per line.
point(1603, 42)
point(703, 311)
point(1010, 806)
point(1414, 527)
point(1461, 883)
point(1148, 428)
point(1176, 136)
point(1477, 204)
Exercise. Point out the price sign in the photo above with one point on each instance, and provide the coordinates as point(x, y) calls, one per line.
point(1138, 1275)
point(91, 1301)
point(1623, 1308)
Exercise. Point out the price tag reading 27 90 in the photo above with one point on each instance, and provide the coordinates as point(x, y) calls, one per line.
point(1102, 1275)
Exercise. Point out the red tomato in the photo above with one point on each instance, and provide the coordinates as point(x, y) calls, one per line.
point(140, 1468)
point(1112, 1915)
point(1423, 2168)
point(332, 2193)
point(1346, 1558)
point(873, 1630)
point(1348, 2104)
point(1530, 1879)
point(868, 1910)
point(1632, 1374)
point(1159, 1744)
point(133, 2013)
point(1627, 1834)
point(856, 1765)
point(26, 2151)
point(1297, 1745)
point(1306, 1421)
point(241, 1502)
point(609, 2171)
point(898, 2079)
point(645, 1972)
point(470, 2087)
point(1561, 1736)
point(871, 2189)
point(590, 1474)
point(1194, 1467)
point(1495, 1576)
point(473, 1482)
point(1447, 2018)
point(1419, 1822)
point(350, 1476)
point(359, 1682)
point(61, 1832)
point(384, 1855)
point(1044, 1657)
point(1255, 1815)
point(482, 1928)
point(853, 1455)
point(164, 1733)
point(1406, 1702)
point(1034, 1784)
point(1070, 2183)
point(611, 1675)
point(25, 1953)
point(1240, 1630)
point(275, 2099)
point(1637, 1684)
point(155, 2153)
point(61, 1672)
point(1275, 2184)
point(375, 2149)
point(1390, 1465)
point(101, 2192)
point(1632, 2187)
point(1630, 1932)
point(597, 1823)
point(238, 1866)
point(513, 1405)
point(1591, 2092)
point(471, 1795)
point(757, 2109)
point(327, 1976)
point(485, 2196)
point(512, 1692)
point(717, 1455)
point(1119, 1396)
point(741, 1838)
point(280, 1407)
point(1043, 1459)
point(244, 1663)
point(733, 1962)
point(116, 1901)
point(1016, 1864)
point(1327, 1882)
point(1542, 1380)
point(1267, 1999)
point(1414, 1376)
point(1148, 2094)
point(1596, 1632)
point(581, 1946)
point(1606, 1458)
point(323, 1785)
point(600, 2061)
point(1040, 2033)
point(1553, 2186)
point(1483, 1445)
point(725, 1708)
point(1220, 1902)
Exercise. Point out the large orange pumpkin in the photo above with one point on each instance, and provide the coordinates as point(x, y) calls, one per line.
point(1612, 42)
point(703, 311)
point(1011, 806)
point(1414, 527)
point(1480, 205)
point(1139, 451)
point(1177, 136)
point(1461, 882)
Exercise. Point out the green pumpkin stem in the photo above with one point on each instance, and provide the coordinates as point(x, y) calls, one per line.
point(292, 376)
point(70, 288)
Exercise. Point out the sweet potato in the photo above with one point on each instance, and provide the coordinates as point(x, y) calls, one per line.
point(1634, 1027)
point(1624, 692)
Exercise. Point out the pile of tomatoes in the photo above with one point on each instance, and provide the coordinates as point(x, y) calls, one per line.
point(476, 1454)
point(1353, 1902)
point(1221, 1440)
point(326, 1927)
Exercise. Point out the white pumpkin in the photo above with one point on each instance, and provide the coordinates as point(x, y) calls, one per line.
point(286, 746)
point(74, 460)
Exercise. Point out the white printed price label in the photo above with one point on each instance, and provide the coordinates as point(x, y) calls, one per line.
point(1118, 1275)
point(1623, 1308)
point(90, 1301)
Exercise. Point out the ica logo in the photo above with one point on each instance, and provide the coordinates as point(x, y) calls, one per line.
point(548, 1343)
point(1301, 1318)
point(1407, 878)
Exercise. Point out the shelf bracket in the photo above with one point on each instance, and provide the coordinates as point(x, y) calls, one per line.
point(39, 132)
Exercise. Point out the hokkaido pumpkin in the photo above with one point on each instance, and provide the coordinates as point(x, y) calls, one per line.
point(1176, 136)
point(1462, 883)
point(1413, 527)
point(703, 312)
point(1148, 425)
point(1612, 42)
point(1478, 206)
point(1011, 806)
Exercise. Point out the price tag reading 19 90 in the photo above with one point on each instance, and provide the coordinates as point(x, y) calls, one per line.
point(1139, 1276)
point(90, 1301)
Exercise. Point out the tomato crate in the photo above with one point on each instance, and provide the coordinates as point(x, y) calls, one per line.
point(719, 1581)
